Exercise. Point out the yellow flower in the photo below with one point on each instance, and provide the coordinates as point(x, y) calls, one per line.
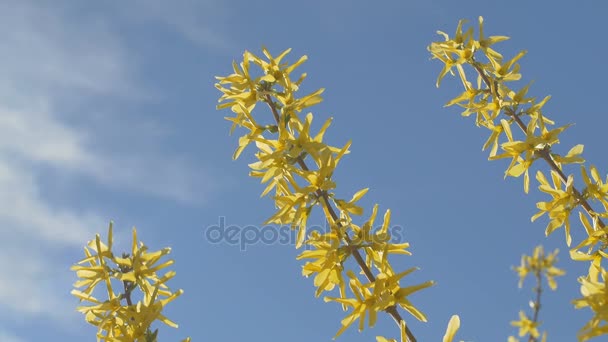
point(539, 263)
point(508, 71)
point(484, 43)
point(328, 266)
point(596, 188)
point(595, 293)
point(560, 207)
point(526, 326)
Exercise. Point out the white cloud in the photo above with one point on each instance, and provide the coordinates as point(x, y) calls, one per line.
point(32, 288)
point(52, 56)
point(52, 59)
point(25, 213)
point(34, 134)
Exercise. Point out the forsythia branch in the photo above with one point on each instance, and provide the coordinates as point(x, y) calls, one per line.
point(391, 310)
point(284, 145)
point(492, 97)
point(538, 265)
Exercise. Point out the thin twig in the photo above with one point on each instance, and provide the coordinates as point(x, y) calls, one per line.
point(538, 289)
point(125, 283)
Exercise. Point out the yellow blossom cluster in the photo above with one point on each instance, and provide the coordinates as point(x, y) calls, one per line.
point(538, 264)
point(298, 168)
point(499, 108)
point(527, 327)
point(119, 318)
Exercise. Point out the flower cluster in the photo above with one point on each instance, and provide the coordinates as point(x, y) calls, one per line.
point(119, 318)
point(498, 108)
point(538, 264)
point(298, 167)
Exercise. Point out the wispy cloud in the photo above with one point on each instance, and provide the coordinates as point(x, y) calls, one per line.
point(55, 59)
point(25, 213)
point(33, 284)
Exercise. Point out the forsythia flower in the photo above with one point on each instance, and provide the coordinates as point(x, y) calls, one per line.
point(377, 296)
point(596, 188)
point(330, 255)
point(539, 263)
point(560, 207)
point(595, 296)
point(526, 326)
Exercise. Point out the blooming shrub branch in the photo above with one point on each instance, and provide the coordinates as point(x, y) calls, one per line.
point(119, 318)
point(497, 108)
point(298, 167)
point(536, 265)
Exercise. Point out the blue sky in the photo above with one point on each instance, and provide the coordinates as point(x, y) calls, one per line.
point(107, 112)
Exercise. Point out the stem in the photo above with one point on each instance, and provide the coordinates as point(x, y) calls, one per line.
point(127, 285)
point(392, 310)
point(543, 153)
point(538, 289)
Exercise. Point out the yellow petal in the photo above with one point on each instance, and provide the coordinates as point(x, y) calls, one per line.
point(453, 327)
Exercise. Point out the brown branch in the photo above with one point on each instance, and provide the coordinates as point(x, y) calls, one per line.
point(392, 310)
